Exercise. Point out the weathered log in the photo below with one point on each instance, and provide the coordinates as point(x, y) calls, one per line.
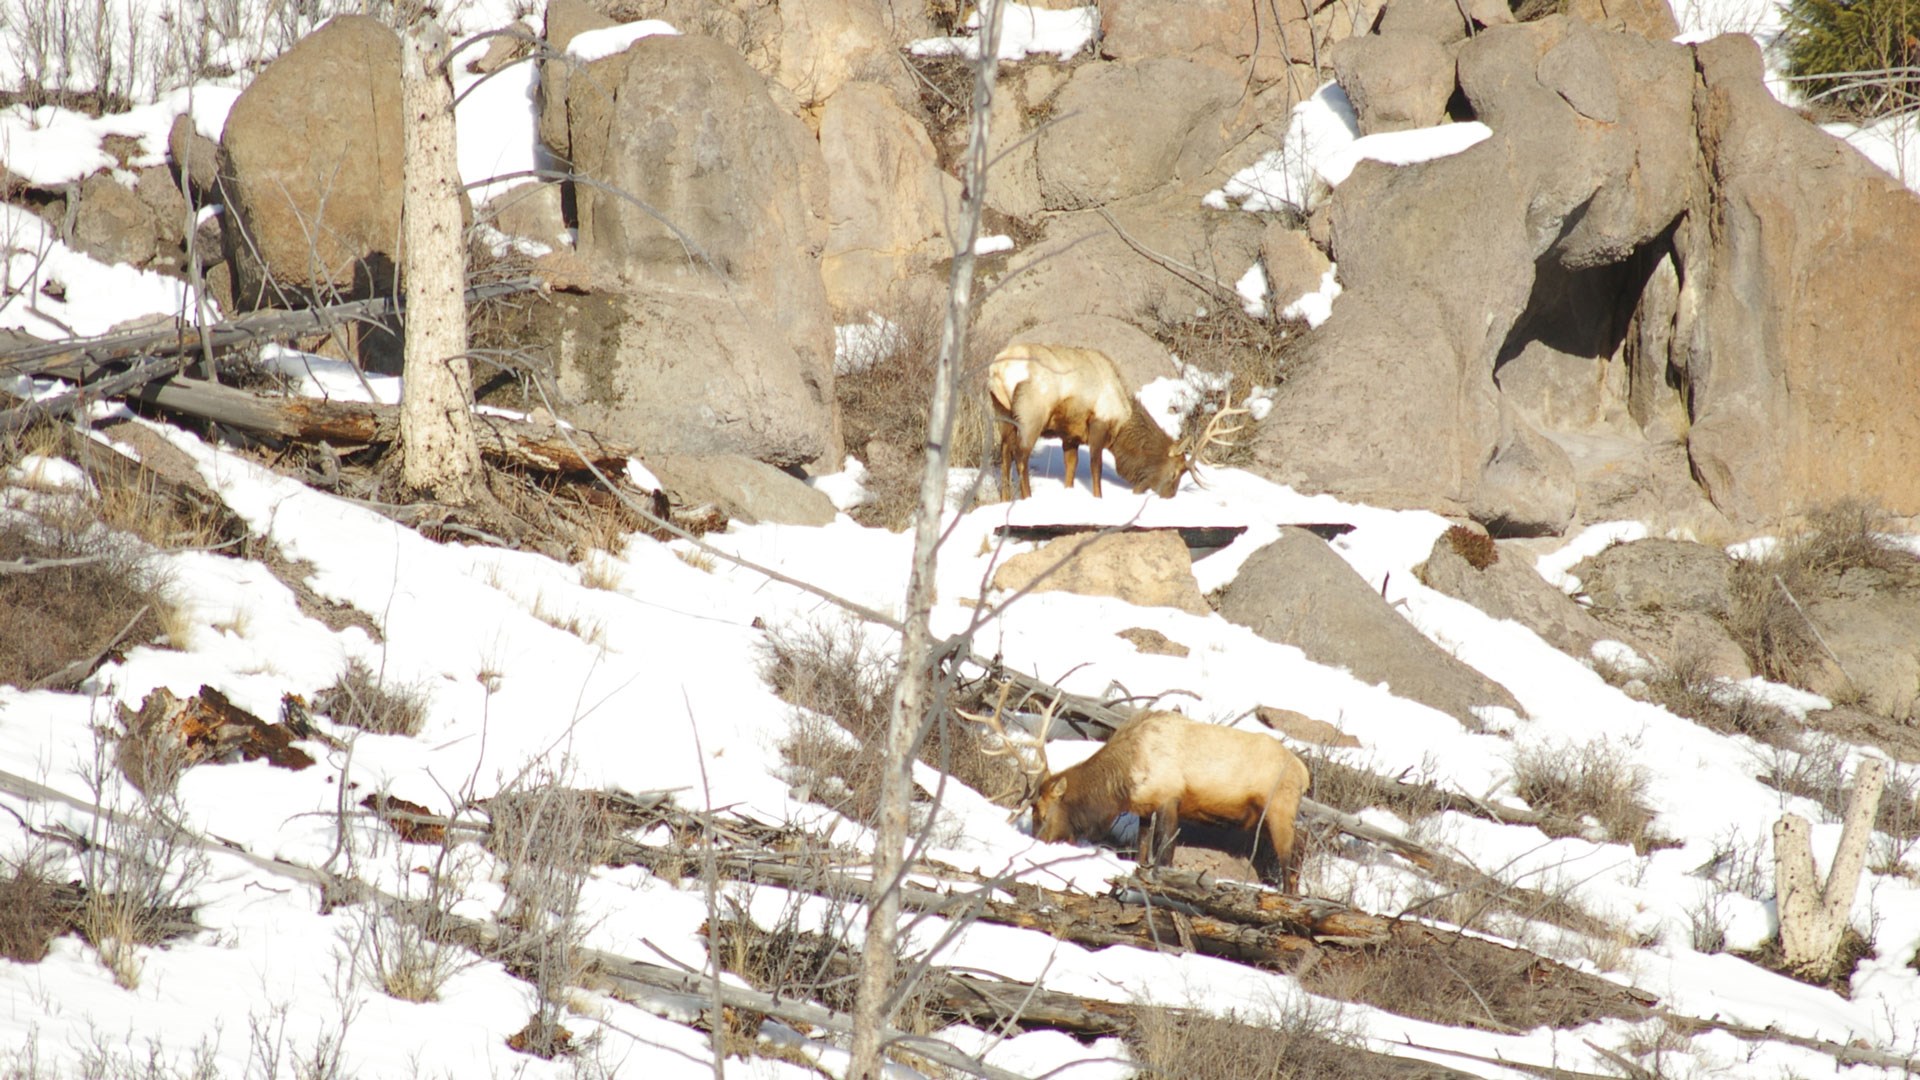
point(81, 358)
point(526, 444)
point(19, 417)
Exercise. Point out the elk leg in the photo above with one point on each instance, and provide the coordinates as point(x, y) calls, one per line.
point(1157, 833)
point(1280, 837)
point(1070, 458)
point(1009, 446)
point(1097, 435)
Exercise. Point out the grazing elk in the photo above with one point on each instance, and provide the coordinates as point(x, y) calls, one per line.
point(1181, 770)
point(1078, 396)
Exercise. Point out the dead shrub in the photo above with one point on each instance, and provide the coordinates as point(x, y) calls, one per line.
point(139, 867)
point(1686, 687)
point(1461, 982)
point(1243, 353)
point(1307, 1043)
point(1473, 545)
point(1596, 782)
point(1352, 788)
point(1817, 770)
point(837, 679)
point(93, 592)
point(364, 699)
point(549, 836)
point(1836, 976)
point(32, 911)
point(885, 405)
point(1843, 540)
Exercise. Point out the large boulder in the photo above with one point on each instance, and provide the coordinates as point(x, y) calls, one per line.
point(1151, 568)
point(1022, 97)
point(1425, 388)
point(1299, 592)
point(1501, 582)
point(683, 370)
point(1669, 599)
point(310, 169)
point(1660, 575)
point(744, 489)
point(1124, 128)
point(733, 187)
point(112, 223)
point(1225, 29)
point(808, 50)
point(1081, 265)
point(1395, 81)
point(1140, 358)
point(1806, 323)
point(888, 203)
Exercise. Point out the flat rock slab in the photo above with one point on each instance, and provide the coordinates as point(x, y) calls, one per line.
point(1151, 569)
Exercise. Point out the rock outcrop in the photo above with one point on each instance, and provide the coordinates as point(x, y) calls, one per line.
point(310, 169)
point(1299, 592)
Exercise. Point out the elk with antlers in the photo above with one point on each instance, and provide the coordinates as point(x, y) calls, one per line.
point(1181, 770)
point(1078, 396)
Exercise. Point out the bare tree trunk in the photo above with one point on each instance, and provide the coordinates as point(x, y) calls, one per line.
point(873, 1006)
point(438, 451)
point(1813, 915)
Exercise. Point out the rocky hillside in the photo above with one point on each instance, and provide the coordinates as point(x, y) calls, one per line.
point(1572, 546)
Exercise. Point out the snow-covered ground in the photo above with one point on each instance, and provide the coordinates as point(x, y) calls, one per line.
point(639, 670)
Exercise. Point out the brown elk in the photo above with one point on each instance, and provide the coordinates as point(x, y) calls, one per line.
point(1078, 396)
point(1181, 770)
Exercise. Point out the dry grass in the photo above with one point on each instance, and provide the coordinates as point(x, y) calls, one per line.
point(1462, 982)
point(843, 686)
point(362, 698)
point(1686, 687)
point(1308, 1043)
point(139, 867)
point(885, 405)
point(1245, 353)
point(32, 913)
point(101, 593)
point(1598, 782)
point(1844, 539)
point(1352, 788)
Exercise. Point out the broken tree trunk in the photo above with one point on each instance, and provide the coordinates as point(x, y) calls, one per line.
point(438, 452)
point(1813, 914)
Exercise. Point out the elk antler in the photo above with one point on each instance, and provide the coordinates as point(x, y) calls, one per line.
point(1213, 436)
point(1033, 769)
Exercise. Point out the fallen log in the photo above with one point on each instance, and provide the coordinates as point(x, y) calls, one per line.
point(81, 358)
point(540, 446)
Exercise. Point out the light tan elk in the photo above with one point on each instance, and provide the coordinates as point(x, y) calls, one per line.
point(1078, 396)
point(1182, 770)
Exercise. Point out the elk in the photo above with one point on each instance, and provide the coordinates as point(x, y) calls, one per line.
point(1181, 770)
point(1078, 396)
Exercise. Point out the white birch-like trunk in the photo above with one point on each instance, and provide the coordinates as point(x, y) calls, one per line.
point(876, 997)
point(439, 455)
point(1813, 915)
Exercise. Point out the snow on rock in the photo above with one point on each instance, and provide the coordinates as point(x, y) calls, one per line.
point(612, 40)
point(1024, 31)
point(1284, 179)
point(1316, 307)
point(49, 146)
point(55, 292)
point(1401, 148)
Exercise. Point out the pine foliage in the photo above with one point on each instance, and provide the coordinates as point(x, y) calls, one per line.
point(1860, 57)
